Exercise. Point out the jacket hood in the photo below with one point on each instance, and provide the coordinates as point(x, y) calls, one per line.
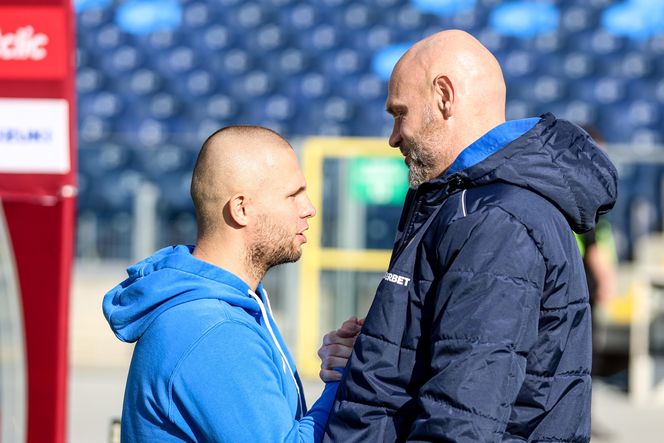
point(557, 160)
point(170, 277)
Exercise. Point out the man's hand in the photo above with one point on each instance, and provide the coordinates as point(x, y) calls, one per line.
point(337, 346)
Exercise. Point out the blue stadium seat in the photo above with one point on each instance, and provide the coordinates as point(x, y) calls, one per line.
point(237, 62)
point(373, 39)
point(212, 39)
point(180, 228)
point(93, 129)
point(646, 136)
point(614, 124)
point(221, 107)
point(196, 15)
point(248, 16)
point(580, 112)
point(142, 82)
point(299, 17)
point(343, 62)
point(547, 89)
point(176, 61)
point(174, 192)
point(121, 60)
point(88, 80)
point(362, 87)
point(91, 17)
point(356, 17)
point(157, 41)
point(162, 160)
point(371, 119)
point(320, 38)
point(518, 63)
point(163, 106)
point(101, 159)
point(644, 113)
point(286, 63)
point(108, 37)
point(269, 37)
point(597, 42)
point(194, 85)
point(578, 17)
point(576, 65)
point(517, 109)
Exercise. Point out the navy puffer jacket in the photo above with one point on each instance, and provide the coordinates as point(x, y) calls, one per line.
point(480, 329)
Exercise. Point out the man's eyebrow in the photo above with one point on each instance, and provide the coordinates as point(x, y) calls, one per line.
point(299, 190)
point(394, 108)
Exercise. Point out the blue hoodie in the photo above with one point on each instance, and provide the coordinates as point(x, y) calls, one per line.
point(209, 362)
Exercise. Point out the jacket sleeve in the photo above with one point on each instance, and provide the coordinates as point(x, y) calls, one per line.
point(228, 388)
point(485, 321)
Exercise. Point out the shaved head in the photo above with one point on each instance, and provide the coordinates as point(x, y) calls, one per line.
point(233, 159)
point(471, 68)
point(444, 93)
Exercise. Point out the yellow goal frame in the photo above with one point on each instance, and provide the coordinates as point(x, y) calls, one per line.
point(316, 258)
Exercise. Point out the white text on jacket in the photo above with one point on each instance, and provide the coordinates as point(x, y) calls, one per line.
point(398, 279)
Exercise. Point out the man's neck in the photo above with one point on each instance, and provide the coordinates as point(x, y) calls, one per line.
point(229, 257)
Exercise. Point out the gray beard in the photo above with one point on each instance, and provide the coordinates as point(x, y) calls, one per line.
point(422, 161)
point(420, 167)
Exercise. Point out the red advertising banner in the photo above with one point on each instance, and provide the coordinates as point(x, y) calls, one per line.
point(33, 43)
point(37, 194)
point(36, 80)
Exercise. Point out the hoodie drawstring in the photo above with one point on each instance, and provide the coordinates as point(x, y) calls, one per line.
point(276, 342)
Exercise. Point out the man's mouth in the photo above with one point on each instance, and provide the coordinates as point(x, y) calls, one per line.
point(406, 156)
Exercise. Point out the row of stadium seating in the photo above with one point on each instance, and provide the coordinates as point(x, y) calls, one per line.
point(110, 179)
point(156, 77)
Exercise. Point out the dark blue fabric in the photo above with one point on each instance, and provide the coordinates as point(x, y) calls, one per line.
point(486, 335)
point(491, 142)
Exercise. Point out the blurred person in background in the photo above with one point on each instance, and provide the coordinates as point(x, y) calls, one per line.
point(481, 328)
point(598, 250)
point(209, 362)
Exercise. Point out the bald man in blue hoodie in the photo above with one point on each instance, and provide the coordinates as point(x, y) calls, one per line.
point(209, 362)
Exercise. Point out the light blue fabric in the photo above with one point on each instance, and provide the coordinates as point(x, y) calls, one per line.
point(205, 367)
point(491, 142)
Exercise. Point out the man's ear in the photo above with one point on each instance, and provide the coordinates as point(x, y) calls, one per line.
point(237, 209)
point(445, 95)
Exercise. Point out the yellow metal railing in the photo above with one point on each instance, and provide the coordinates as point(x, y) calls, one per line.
point(316, 258)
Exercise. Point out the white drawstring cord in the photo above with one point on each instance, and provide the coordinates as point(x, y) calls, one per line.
point(276, 342)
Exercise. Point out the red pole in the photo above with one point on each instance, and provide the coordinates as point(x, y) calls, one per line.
point(39, 205)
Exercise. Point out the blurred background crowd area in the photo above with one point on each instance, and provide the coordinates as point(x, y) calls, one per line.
point(156, 77)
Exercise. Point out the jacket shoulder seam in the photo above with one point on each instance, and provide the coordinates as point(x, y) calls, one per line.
point(525, 227)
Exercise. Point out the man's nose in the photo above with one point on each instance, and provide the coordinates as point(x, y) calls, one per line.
point(309, 209)
point(395, 137)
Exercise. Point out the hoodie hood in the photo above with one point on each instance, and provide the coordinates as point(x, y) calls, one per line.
point(170, 277)
point(557, 160)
